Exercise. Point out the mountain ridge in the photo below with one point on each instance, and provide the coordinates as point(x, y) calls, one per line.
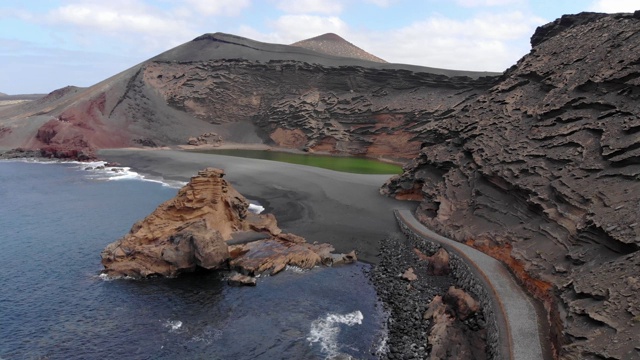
point(155, 104)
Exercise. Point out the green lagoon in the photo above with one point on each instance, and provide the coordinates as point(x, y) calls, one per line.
point(357, 165)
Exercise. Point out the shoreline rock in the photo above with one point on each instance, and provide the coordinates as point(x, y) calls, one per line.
point(49, 153)
point(200, 229)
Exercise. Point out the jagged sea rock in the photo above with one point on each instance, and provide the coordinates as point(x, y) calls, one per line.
point(208, 225)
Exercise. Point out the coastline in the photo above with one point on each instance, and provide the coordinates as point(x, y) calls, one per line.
point(343, 209)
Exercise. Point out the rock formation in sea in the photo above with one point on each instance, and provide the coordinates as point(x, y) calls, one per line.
point(322, 94)
point(208, 225)
point(543, 173)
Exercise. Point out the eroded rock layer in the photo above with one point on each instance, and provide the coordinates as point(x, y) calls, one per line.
point(245, 91)
point(208, 225)
point(543, 173)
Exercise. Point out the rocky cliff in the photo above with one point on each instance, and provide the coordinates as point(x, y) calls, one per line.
point(246, 91)
point(542, 172)
point(208, 226)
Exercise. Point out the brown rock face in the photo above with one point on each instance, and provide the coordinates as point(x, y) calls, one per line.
point(208, 225)
point(437, 264)
point(461, 303)
point(448, 338)
point(186, 232)
point(542, 173)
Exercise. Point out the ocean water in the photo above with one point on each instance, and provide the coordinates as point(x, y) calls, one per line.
point(54, 221)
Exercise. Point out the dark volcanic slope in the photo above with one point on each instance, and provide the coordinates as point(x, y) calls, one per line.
point(333, 44)
point(543, 172)
point(247, 92)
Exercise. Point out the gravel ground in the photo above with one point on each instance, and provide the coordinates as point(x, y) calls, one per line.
point(406, 302)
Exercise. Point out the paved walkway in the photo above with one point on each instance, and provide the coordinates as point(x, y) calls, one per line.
point(518, 325)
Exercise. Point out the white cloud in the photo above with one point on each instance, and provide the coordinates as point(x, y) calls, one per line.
point(615, 6)
point(380, 3)
point(106, 17)
point(288, 29)
point(488, 42)
point(310, 6)
point(483, 3)
point(219, 7)
point(128, 21)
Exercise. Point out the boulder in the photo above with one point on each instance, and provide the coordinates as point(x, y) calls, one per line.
point(461, 303)
point(186, 232)
point(409, 275)
point(241, 280)
point(448, 338)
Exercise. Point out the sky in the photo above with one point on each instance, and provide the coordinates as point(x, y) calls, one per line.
point(46, 45)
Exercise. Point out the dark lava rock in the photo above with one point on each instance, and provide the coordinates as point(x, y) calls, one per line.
point(543, 173)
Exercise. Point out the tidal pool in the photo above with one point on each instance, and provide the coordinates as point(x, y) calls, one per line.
point(350, 164)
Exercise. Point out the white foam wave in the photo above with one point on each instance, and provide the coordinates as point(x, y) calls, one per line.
point(98, 170)
point(324, 331)
point(173, 325)
point(256, 208)
point(207, 336)
point(106, 277)
point(33, 160)
point(295, 269)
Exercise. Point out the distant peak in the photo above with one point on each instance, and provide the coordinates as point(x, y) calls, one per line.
point(329, 37)
point(334, 44)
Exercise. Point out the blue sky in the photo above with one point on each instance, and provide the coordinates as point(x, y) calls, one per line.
point(45, 45)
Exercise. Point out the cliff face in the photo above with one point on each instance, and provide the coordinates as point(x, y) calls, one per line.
point(248, 92)
point(208, 225)
point(347, 109)
point(543, 171)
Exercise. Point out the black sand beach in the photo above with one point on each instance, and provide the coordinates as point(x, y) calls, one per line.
point(321, 205)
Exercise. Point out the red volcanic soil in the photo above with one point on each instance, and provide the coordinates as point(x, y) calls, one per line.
point(78, 130)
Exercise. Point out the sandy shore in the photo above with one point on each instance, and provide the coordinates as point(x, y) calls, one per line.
point(321, 205)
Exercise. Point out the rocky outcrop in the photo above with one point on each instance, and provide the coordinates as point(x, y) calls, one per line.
point(448, 337)
point(208, 226)
point(206, 139)
point(541, 172)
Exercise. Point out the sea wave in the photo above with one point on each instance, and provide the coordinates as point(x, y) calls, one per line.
point(325, 330)
point(105, 277)
point(101, 170)
point(173, 325)
point(256, 208)
point(207, 336)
